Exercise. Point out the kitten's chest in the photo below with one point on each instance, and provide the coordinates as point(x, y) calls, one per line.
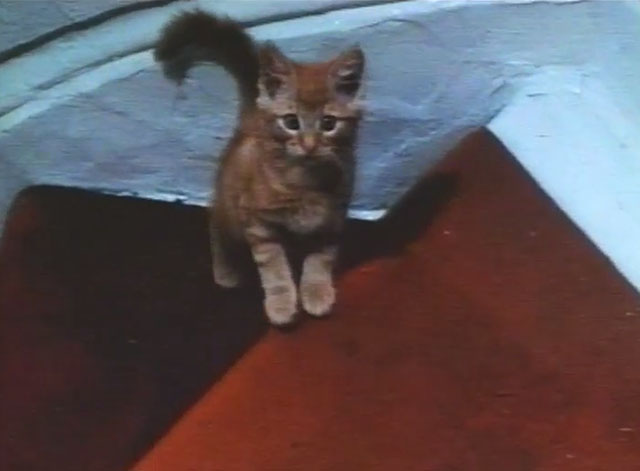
point(309, 215)
point(300, 215)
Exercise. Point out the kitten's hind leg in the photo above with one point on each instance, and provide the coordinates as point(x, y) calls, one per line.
point(316, 284)
point(224, 273)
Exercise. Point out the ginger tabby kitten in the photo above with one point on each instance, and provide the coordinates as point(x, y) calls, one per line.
point(286, 175)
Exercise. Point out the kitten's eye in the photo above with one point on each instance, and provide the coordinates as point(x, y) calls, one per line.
point(291, 122)
point(328, 123)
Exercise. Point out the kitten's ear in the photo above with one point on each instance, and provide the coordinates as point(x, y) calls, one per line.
point(276, 71)
point(345, 74)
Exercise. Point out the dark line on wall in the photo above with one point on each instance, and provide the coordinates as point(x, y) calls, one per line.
point(103, 17)
point(356, 4)
point(81, 25)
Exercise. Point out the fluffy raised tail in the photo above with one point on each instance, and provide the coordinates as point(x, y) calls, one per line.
point(196, 37)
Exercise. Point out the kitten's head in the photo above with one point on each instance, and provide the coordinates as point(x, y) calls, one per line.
point(313, 108)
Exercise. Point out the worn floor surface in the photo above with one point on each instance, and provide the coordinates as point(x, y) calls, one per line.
point(476, 329)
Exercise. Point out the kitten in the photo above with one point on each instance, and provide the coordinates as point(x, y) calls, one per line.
point(286, 175)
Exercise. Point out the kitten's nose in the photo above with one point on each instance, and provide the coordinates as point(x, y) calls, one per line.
point(308, 143)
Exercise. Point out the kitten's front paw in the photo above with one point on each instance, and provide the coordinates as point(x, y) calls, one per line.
point(281, 306)
point(318, 297)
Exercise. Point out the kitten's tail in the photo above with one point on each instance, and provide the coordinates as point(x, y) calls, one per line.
point(197, 36)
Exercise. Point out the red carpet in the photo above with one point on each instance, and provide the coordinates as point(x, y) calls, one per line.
point(109, 328)
point(476, 329)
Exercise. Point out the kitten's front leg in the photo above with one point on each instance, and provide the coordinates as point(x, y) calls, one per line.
point(280, 301)
point(316, 285)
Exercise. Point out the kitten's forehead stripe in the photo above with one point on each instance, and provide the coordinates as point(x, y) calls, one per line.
point(313, 93)
point(312, 87)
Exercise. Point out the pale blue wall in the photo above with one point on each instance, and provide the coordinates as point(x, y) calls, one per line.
point(91, 109)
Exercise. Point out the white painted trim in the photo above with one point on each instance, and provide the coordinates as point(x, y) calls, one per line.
point(568, 133)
